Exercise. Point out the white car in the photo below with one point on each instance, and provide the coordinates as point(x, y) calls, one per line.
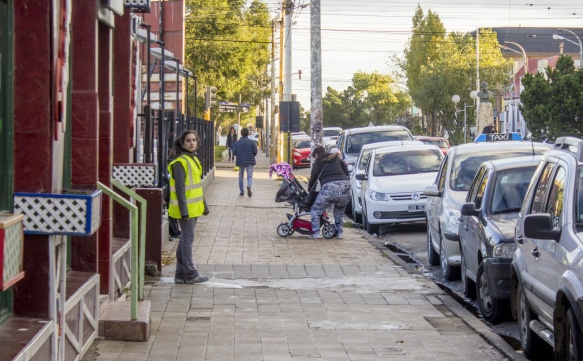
point(360, 167)
point(448, 193)
point(331, 133)
point(393, 183)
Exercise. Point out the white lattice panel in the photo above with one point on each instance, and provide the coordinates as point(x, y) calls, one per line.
point(138, 5)
point(67, 214)
point(135, 175)
point(11, 246)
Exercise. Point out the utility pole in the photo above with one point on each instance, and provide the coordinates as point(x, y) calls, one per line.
point(281, 47)
point(477, 81)
point(273, 137)
point(288, 51)
point(316, 116)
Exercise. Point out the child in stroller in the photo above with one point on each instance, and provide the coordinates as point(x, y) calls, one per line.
point(293, 192)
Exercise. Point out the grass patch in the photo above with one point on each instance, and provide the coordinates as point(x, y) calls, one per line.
point(219, 149)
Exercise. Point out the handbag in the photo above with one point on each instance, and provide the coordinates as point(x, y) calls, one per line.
point(313, 193)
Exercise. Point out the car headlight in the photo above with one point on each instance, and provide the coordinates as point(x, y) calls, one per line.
point(378, 196)
point(504, 250)
point(453, 219)
point(297, 154)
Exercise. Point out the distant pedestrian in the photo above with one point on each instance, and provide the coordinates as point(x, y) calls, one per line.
point(186, 203)
point(245, 150)
point(231, 139)
point(489, 129)
point(332, 173)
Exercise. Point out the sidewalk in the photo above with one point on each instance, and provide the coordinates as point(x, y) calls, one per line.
point(294, 298)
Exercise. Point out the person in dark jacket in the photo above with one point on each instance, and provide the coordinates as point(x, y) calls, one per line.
point(245, 150)
point(332, 173)
point(231, 139)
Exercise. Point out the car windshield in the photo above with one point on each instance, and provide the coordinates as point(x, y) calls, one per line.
point(465, 166)
point(302, 144)
point(331, 133)
point(355, 142)
point(441, 143)
point(510, 189)
point(407, 162)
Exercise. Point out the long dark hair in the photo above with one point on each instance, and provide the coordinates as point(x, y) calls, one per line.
point(319, 153)
point(177, 149)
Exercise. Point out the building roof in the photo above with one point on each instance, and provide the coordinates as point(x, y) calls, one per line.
point(537, 40)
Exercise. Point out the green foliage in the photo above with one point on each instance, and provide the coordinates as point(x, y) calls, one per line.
point(552, 103)
point(438, 65)
point(219, 149)
point(372, 98)
point(227, 46)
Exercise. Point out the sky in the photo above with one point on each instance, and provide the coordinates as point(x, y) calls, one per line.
point(364, 35)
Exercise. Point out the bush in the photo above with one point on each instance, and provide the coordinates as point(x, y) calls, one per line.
point(219, 149)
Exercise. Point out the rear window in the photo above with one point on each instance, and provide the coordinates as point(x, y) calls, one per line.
point(355, 142)
point(407, 162)
point(465, 166)
point(331, 133)
point(441, 143)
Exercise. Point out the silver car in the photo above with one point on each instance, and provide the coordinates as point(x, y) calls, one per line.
point(448, 193)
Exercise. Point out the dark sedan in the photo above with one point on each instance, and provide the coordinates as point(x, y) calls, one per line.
point(486, 231)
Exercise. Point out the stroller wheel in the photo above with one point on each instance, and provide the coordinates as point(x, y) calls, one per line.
point(329, 231)
point(284, 230)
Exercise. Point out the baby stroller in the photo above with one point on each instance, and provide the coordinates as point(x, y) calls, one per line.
point(291, 191)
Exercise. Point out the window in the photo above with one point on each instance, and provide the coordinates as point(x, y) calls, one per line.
point(441, 175)
point(540, 192)
point(556, 197)
point(510, 189)
point(480, 189)
point(474, 188)
point(407, 162)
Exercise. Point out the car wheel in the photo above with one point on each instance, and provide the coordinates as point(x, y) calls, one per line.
point(573, 337)
point(450, 273)
point(528, 339)
point(370, 228)
point(356, 217)
point(432, 256)
point(348, 210)
point(468, 286)
point(491, 308)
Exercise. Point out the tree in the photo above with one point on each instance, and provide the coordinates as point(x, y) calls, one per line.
point(552, 105)
point(227, 46)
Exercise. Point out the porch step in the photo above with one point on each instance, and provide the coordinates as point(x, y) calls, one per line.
point(115, 322)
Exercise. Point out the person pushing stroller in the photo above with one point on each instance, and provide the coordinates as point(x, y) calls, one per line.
point(332, 173)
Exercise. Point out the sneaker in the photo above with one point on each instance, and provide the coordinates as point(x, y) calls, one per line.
point(179, 280)
point(174, 239)
point(249, 191)
point(316, 235)
point(340, 235)
point(198, 279)
point(241, 194)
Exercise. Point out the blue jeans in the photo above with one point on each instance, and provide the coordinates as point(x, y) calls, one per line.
point(249, 169)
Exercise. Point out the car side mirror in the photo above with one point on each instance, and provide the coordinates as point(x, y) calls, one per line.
point(432, 191)
point(350, 168)
point(540, 226)
point(469, 209)
point(360, 176)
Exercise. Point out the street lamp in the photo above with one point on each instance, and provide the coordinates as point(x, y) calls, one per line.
point(456, 99)
point(522, 51)
point(556, 36)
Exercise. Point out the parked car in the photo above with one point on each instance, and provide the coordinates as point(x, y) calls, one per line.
point(331, 134)
point(486, 231)
point(351, 141)
point(547, 266)
point(360, 167)
point(441, 142)
point(446, 195)
point(301, 149)
point(393, 183)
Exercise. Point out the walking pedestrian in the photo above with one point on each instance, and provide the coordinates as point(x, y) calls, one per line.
point(231, 139)
point(332, 173)
point(245, 150)
point(186, 203)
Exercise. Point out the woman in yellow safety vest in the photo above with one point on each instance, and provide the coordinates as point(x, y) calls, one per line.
point(186, 203)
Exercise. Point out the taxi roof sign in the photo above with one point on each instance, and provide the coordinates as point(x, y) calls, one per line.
point(496, 137)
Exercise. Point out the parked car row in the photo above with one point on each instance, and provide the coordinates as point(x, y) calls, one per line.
point(505, 215)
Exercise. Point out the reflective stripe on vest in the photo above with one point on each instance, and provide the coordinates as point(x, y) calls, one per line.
point(192, 185)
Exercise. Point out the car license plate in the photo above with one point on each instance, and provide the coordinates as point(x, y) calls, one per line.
point(416, 207)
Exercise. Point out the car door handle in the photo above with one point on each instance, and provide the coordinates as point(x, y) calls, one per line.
point(535, 252)
point(519, 239)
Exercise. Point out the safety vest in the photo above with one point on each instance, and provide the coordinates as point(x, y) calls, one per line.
point(192, 185)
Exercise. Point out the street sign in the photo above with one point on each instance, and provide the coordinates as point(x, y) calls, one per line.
point(228, 107)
